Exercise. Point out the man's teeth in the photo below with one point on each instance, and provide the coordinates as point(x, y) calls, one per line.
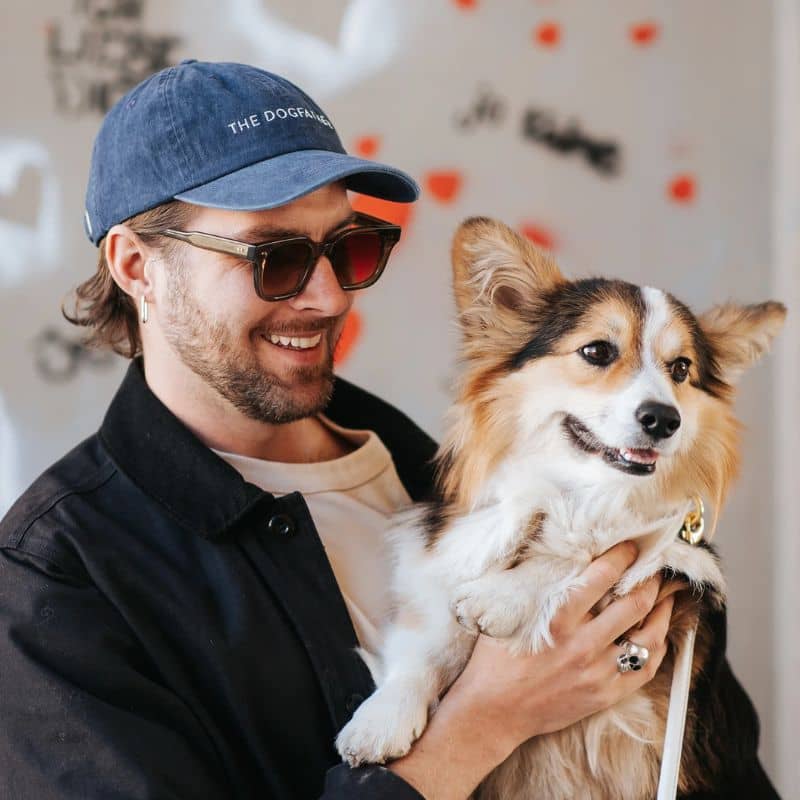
point(639, 456)
point(301, 342)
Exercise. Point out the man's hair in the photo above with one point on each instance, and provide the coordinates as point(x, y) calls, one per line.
point(100, 306)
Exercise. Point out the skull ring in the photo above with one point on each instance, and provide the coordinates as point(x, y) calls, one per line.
point(633, 657)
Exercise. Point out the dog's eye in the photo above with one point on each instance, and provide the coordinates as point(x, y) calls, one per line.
point(679, 369)
point(601, 354)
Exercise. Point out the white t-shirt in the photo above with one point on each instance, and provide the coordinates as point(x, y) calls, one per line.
point(351, 500)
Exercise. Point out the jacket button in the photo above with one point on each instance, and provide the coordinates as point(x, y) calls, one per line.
point(281, 525)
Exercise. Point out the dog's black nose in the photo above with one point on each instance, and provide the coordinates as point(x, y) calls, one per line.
point(658, 420)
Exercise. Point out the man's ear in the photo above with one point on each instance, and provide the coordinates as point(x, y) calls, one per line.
point(740, 335)
point(496, 268)
point(127, 257)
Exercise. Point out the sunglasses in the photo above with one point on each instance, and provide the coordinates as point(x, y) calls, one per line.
point(282, 268)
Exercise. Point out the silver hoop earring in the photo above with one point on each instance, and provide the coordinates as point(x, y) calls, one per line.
point(145, 310)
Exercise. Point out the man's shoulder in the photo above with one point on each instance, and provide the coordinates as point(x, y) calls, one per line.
point(352, 406)
point(49, 502)
point(412, 448)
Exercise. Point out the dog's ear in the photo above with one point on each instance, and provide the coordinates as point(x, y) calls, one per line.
point(496, 268)
point(740, 335)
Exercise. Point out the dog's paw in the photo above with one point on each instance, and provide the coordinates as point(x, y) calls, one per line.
point(383, 728)
point(489, 605)
point(700, 567)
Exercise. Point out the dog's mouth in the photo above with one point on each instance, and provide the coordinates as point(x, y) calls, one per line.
point(634, 461)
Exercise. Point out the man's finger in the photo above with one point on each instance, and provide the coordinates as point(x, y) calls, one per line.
point(654, 627)
point(623, 614)
point(671, 587)
point(599, 577)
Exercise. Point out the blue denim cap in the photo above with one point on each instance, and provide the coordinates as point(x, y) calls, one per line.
point(223, 135)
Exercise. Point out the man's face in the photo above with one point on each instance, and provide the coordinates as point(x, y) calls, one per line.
point(213, 320)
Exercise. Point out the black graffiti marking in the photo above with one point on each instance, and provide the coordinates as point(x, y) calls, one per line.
point(488, 107)
point(124, 51)
point(110, 55)
point(542, 127)
point(59, 358)
point(110, 9)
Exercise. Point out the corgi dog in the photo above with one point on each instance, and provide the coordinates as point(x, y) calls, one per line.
point(587, 412)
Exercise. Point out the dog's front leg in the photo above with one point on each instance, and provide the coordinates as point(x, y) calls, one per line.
point(420, 658)
point(698, 564)
point(517, 603)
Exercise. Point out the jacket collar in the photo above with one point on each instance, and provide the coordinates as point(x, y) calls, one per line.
point(170, 464)
point(199, 490)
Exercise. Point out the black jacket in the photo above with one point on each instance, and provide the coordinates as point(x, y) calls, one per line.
point(169, 631)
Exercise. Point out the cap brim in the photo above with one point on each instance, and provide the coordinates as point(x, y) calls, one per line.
point(281, 179)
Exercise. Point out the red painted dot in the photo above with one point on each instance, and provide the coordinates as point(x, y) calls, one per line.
point(367, 146)
point(351, 334)
point(444, 185)
point(548, 34)
point(466, 5)
point(683, 189)
point(644, 33)
point(539, 235)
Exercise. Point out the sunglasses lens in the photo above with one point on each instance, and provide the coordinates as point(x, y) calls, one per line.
point(356, 257)
point(285, 267)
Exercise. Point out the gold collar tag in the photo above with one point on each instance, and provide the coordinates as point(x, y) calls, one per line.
point(694, 523)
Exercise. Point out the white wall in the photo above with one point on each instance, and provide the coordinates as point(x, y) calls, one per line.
point(786, 261)
point(681, 88)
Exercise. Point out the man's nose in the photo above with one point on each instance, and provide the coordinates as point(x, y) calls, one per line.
point(658, 419)
point(322, 292)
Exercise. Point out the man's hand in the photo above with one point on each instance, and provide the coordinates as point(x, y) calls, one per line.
point(500, 700)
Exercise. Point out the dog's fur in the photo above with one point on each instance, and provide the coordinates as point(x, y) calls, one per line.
point(532, 486)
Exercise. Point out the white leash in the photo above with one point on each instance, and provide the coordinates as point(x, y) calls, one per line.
point(676, 719)
point(691, 532)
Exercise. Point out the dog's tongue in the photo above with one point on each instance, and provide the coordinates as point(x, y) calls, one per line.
point(639, 456)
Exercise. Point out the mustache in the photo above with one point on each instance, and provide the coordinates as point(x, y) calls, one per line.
point(305, 327)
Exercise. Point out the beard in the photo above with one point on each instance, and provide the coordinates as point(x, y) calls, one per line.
point(207, 347)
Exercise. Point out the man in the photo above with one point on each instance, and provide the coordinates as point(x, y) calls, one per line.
point(181, 595)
